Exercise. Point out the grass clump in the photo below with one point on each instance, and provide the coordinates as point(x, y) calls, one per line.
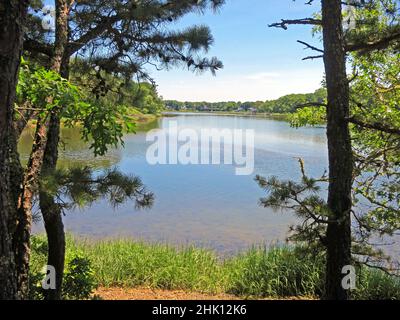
point(276, 272)
point(260, 272)
point(374, 284)
point(131, 264)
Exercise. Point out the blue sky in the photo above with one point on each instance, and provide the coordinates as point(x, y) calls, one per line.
point(260, 63)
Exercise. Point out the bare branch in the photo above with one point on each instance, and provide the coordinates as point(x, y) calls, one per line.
point(306, 21)
point(311, 104)
point(313, 57)
point(309, 46)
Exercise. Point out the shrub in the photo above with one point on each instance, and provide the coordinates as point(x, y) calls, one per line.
point(79, 279)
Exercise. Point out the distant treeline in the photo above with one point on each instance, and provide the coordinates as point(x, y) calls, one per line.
point(285, 104)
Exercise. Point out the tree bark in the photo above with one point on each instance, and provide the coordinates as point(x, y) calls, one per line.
point(35, 165)
point(30, 184)
point(340, 151)
point(12, 20)
point(51, 212)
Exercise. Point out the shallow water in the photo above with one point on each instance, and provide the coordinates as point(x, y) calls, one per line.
point(206, 205)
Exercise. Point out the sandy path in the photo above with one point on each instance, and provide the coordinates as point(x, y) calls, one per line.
point(151, 294)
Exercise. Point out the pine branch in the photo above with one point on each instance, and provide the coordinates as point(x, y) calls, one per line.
point(311, 104)
point(374, 126)
point(37, 47)
point(383, 43)
point(306, 21)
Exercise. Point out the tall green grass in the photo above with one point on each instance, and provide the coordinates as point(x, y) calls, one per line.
point(275, 272)
point(126, 263)
point(259, 272)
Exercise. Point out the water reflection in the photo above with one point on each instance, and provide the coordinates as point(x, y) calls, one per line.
point(205, 205)
point(73, 151)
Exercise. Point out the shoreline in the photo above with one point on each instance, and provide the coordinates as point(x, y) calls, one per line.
point(125, 269)
point(142, 121)
point(273, 116)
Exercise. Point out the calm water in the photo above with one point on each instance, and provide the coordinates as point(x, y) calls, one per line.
point(208, 206)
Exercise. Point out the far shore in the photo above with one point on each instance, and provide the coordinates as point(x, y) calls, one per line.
point(275, 116)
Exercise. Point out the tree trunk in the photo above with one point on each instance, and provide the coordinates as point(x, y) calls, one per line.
point(30, 184)
point(51, 212)
point(54, 226)
point(340, 151)
point(35, 163)
point(12, 21)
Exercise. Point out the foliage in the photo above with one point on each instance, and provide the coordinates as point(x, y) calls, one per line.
point(41, 92)
point(108, 89)
point(123, 37)
point(103, 125)
point(44, 90)
point(304, 200)
point(119, 39)
point(260, 272)
point(375, 20)
point(130, 264)
point(308, 116)
point(374, 118)
point(37, 263)
point(376, 285)
point(375, 97)
point(277, 272)
point(82, 186)
point(79, 279)
point(102, 121)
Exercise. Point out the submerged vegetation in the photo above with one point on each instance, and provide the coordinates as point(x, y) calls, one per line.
point(260, 272)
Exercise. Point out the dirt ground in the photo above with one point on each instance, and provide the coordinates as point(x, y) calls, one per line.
point(151, 294)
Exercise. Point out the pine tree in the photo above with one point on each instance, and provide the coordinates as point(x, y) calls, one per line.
point(12, 22)
point(330, 221)
point(116, 37)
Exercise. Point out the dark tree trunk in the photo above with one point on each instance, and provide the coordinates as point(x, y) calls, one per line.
point(54, 226)
point(51, 212)
point(35, 165)
point(340, 150)
point(30, 184)
point(12, 21)
point(32, 174)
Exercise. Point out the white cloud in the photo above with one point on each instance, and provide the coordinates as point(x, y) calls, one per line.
point(237, 87)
